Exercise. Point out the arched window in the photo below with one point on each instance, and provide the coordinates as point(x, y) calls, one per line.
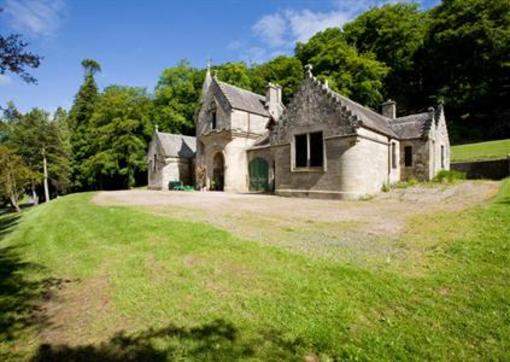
point(155, 163)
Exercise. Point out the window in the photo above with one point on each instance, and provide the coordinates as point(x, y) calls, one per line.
point(155, 163)
point(301, 150)
point(309, 151)
point(393, 155)
point(442, 156)
point(408, 156)
point(213, 119)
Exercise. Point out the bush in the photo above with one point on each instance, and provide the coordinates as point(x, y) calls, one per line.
point(449, 176)
point(405, 184)
point(386, 187)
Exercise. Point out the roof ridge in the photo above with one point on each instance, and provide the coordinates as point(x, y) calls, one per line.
point(241, 89)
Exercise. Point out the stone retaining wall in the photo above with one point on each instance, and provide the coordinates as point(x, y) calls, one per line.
point(493, 169)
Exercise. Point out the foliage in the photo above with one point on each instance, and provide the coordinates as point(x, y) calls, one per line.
point(15, 58)
point(31, 133)
point(176, 98)
point(386, 187)
point(394, 33)
point(481, 151)
point(14, 176)
point(79, 126)
point(356, 75)
point(237, 74)
point(285, 71)
point(120, 130)
point(405, 184)
point(449, 176)
point(465, 61)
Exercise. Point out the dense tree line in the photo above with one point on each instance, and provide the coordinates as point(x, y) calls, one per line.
point(457, 51)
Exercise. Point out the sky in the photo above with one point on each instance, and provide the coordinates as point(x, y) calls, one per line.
point(135, 40)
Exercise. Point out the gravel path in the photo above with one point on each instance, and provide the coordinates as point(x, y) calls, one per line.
point(347, 230)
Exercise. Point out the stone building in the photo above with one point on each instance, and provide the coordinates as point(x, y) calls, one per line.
point(322, 145)
point(170, 158)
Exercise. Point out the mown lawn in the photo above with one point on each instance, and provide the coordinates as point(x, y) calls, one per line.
point(92, 283)
point(481, 151)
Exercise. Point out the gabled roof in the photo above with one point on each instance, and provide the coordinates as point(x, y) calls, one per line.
point(243, 99)
point(412, 126)
point(368, 117)
point(176, 145)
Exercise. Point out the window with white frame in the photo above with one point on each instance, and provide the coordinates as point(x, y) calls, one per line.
point(308, 150)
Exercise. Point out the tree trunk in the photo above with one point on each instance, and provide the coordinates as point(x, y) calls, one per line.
point(14, 202)
point(45, 170)
point(35, 198)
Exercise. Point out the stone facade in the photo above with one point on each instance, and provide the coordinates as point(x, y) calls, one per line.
point(322, 145)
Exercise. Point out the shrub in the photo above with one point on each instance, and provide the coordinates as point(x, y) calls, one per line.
point(449, 176)
point(405, 184)
point(386, 187)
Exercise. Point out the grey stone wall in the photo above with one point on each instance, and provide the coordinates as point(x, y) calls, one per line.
point(493, 169)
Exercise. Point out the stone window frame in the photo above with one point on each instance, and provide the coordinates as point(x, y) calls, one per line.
point(155, 162)
point(213, 115)
point(308, 168)
point(443, 157)
point(394, 162)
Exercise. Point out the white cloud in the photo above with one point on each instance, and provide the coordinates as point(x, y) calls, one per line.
point(284, 28)
point(37, 17)
point(4, 79)
point(271, 28)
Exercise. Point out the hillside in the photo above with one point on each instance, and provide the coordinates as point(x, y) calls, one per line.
point(481, 151)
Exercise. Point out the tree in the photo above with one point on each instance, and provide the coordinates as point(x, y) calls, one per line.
point(79, 125)
point(394, 33)
point(237, 74)
point(14, 176)
point(283, 70)
point(355, 75)
point(15, 58)
point(39, 141)
point(120, 128)
point(466, 61)
point(176, 98)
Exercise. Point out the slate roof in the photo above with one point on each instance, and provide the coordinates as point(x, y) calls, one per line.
point(176, 145)
point(243, 99)
point(368, 117)
point(412, 126)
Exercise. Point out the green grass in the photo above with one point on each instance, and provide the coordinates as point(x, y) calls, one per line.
point(481, 151)
point(122, 284)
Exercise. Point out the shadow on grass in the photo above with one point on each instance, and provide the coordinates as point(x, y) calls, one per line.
point(216, 341)
point(20, 295)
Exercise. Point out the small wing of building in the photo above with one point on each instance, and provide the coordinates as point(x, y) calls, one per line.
point(170, 159)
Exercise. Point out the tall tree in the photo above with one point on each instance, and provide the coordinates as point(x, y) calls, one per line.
point(466, 61)
point(121, 129)
point(39, 141)
point(14, 176)
point(394, 33)
point(356, 75)
point(286, 71)
point(79, 125)
point(176, 98)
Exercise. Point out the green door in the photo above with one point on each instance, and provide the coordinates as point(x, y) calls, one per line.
point(259, 171)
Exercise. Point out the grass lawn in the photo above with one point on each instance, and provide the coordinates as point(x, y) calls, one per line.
point(94, 283)
point(481, 151)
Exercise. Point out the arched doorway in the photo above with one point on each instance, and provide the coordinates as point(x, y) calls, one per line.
point(259, 174)
point(218, 180)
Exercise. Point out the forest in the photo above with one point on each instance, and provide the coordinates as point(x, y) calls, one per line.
point(456, 52)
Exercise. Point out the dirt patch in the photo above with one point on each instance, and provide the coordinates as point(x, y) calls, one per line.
point(352, 231)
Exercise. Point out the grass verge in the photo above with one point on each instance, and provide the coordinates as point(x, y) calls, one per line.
point(81, 281)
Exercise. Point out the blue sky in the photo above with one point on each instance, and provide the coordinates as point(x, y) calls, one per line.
point(135, 40)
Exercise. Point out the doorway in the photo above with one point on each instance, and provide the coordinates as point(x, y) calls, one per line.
point(218, 179)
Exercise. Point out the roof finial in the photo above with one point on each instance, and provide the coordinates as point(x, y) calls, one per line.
point(308, 69)
point(156, 127)
point(209, 62)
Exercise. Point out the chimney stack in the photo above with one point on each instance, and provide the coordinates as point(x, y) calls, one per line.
point(389, 109)
point(274, 100)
